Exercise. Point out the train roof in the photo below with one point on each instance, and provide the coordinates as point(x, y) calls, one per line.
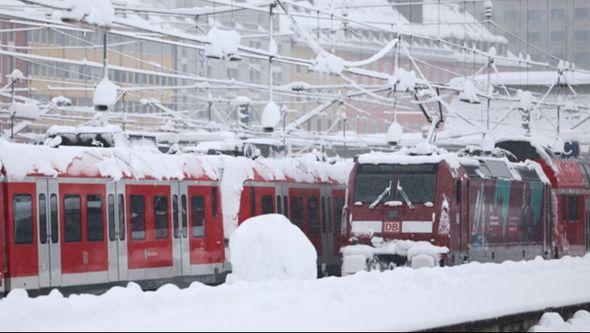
point(471, 166)
point(21, 160)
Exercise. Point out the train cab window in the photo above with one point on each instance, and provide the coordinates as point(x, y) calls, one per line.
point(53, 208)
point(42, 218)
point(498, 169)
point(121, 209)
point(267, 204)
point(183, 214)
point(72, 218)
point(137, 208)
point(328, 221)
point(198, 216)
point(175, 218)
point(161, 216)
point(313, 214)
point(23, 218)
point(297, 211)
point(214, 201)
point(94, 218)
point(111, 204)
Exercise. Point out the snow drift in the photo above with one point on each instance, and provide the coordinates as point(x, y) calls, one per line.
point(270, 246)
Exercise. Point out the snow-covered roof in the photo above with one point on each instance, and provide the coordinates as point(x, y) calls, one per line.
point(21, 160)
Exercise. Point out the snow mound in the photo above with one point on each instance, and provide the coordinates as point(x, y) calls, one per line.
point(553, 322)
point(270, 246)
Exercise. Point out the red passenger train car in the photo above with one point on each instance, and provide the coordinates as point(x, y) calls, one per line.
point(76, 218)
point(311, 194)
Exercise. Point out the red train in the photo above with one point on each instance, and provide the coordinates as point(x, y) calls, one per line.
point(88, 218)
point(481, 208)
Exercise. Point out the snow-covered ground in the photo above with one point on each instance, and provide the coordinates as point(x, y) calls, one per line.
point(553, 322)
point(403, 299)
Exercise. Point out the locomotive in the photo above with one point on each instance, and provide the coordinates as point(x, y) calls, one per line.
point(474, 205)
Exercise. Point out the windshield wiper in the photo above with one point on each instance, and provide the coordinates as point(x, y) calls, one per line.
point(401, 191)
point(381, 196)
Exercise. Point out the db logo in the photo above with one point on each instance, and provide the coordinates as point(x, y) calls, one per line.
point(393, 227)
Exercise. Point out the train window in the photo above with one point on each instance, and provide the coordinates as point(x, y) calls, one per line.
point(121, 208)
point(198, 215)
point(161, 216)
point(214, 202)
point(72, 218)
point(267, 204)
point(485, 171)
point(564, 206)
point(499, 169)
point(252, 201)
point(324, 216)
point(286, 206)
point(472, 171)
point(137, 208)
point(279, 205)
point(175, 216)
point(42, 218)
point(313, 214)
point(94, 218)
point(112, 231)
point(528, 174)
point(184, 215)
point(54, 221)
point(297, 211)
point(23, 218)
point(458, 190)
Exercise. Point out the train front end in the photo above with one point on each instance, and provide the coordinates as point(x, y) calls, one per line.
point(398, 212)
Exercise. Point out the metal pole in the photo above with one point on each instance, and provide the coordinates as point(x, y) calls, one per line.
point(13, 111)
point(124, 120)
point(270, 40)
point(105, 53)
point(488, 95)
point(558, 120)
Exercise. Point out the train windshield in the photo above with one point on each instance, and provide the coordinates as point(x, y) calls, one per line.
point(418, 181)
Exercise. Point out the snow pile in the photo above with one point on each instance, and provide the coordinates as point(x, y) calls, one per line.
point(421, 154)
point(223, 43)
point(394, 133)
point(329, 63)
point(105, 94)
point(271, 116)
point(404, 299)
point(25, 110)
point(553, 322)
point(469, 93)
point(97, 12)
point(406, 80)
point(17, 75)
point(413, 250)
point(270, 246)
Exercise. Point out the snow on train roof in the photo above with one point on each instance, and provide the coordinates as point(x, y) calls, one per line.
point(20, 160)
point(237, 170)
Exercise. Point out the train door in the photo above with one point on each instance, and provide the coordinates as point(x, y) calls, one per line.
point(327, 243)
point(117, 247)
point(49, 249)
point(84, 246)
point(587, 225)
point(180, 229)
point(338, 201)
point(149, 244)
point(305, 212)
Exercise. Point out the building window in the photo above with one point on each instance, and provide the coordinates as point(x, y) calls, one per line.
point(557, 14)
